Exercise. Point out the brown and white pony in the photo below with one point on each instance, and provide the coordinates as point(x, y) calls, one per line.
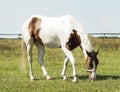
point(64, 32)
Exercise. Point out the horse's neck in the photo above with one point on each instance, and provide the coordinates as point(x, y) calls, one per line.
point(86, 44)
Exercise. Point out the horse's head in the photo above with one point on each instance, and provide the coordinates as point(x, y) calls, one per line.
point(91, 63)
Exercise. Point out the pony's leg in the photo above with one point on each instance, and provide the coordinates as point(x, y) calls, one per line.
point(41, 51)
point(71, 58)
point(29, 52)
point(64, 68)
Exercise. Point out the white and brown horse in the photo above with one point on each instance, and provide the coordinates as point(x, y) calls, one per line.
point(64, 32)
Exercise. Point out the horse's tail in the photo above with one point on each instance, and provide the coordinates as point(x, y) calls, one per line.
point(23, 60)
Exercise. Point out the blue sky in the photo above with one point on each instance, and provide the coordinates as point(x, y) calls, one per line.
point(94, 15)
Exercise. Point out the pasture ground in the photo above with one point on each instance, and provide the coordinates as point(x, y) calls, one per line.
point(108, 72)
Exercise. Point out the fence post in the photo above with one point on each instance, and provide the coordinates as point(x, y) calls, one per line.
point(19, 36)
point(104, 35)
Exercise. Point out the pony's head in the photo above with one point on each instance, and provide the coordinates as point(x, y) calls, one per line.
point(91, 63)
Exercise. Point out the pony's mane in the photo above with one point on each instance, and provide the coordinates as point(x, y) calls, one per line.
point(86, 44)
point(85, 41)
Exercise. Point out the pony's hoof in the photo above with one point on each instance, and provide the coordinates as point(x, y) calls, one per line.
point(92, 79)
point(31, 78)
point(74, 80)
point(48, 77)
point(65, 78)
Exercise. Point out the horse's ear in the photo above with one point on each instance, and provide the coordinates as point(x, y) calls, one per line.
point(88, 53)
point(97, 51)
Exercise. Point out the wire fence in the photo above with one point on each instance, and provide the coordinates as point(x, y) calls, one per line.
point(105, 35)
point(10, 36)
point(100, 35)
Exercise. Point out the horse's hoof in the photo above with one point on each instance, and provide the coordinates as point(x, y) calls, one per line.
point(92, 78)
point(48, 77)
point(65, 78)
point(74, 80)
point(31, 78)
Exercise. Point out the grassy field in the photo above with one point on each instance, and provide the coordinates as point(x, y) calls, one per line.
point(108, 72)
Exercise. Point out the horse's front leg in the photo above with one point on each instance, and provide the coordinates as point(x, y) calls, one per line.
point(29, 52)
point(71, 58)
point(64, 68)
point(41, 51)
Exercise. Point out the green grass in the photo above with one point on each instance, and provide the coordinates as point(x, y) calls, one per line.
point(108, 72)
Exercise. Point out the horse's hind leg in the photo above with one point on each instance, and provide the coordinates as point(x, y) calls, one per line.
point(71, 58)
point(29, 52)
point(64, 68)
point(41, 51)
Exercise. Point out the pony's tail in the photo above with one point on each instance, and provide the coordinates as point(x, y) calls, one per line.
point(23, 59)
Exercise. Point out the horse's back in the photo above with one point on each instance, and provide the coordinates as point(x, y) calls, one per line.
point(53, 29)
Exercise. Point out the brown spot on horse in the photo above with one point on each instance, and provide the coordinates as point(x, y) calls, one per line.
point(73, 41)
point(34, 29)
